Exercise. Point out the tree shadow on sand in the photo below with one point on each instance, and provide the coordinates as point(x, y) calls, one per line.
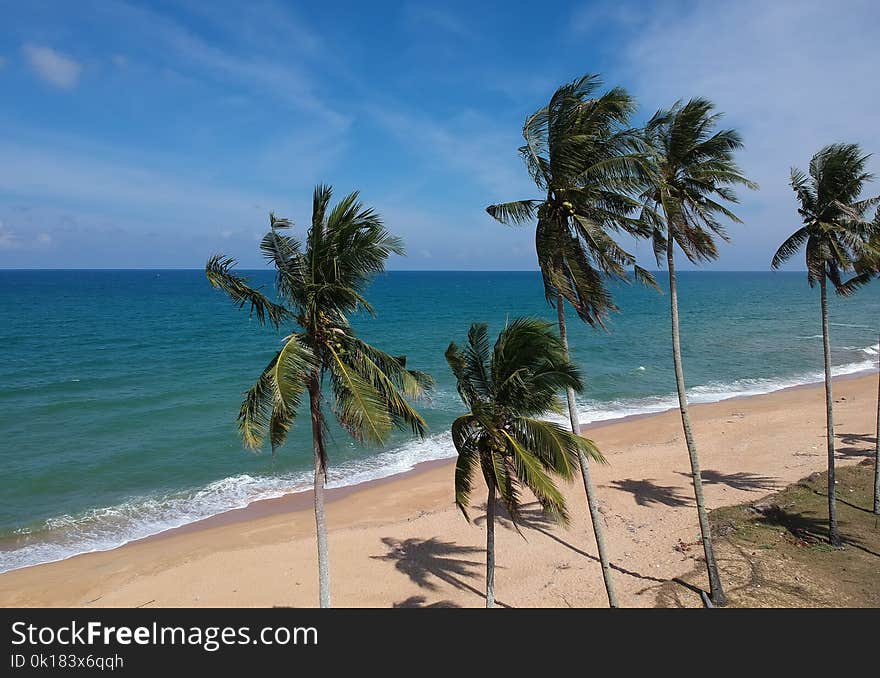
point(420, 601)
point(855, 445)
point(737, 481)
point(647, 493)
point(808, 529)
point(533, 517)
point(424, 559)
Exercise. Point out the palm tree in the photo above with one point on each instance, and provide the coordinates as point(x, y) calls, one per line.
point(319, 285)
point(875, 270)
point(836, 233)
point(584, 159)
point(692, 170)
point(505, 390)
point(869, 267)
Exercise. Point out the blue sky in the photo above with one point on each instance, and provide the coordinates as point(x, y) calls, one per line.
point(151, 134)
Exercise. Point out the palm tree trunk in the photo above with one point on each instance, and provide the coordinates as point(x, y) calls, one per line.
point(593, 505)
point(314, 388)
point(833, 534)
point(877, 450)
point(490, 547)
point(716, 592)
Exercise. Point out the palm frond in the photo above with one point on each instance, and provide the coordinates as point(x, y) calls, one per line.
point(532, 473)
point(294, 363)
point(515, 212)
point(280, 424)
point(359, 406)
point(567, 270)
point(556, 446)
point(257, 408)
point(645, 277)
point(236, 287)
point(392, 382)
point(530, 367)
point(790, 247)
point(465, 437)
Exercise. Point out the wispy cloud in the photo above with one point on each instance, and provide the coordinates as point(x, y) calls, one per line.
point(456, 238)
point(421, 18)
point(268, 62)
point(596, 17)
point(57, 69)
point(757, 62)
point(260, 22)
point(8, 239)
point(66, 175)
point(14, 240)
point(469, 146)
point(525, 89)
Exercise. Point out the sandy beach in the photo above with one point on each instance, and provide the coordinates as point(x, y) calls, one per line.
point(400, 542)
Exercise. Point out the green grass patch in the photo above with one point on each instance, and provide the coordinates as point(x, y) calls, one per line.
point(775, 552)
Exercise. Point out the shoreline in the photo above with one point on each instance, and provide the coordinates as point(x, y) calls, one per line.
point(759, 443)
point(301, 500)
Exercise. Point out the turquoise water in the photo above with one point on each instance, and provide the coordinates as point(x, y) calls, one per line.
point(119, 389)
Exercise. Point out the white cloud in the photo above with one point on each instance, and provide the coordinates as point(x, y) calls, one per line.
point(8, 239)
point(13, 240)
point(54, 67)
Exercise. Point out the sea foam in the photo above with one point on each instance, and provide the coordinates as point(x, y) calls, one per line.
point(109, 527)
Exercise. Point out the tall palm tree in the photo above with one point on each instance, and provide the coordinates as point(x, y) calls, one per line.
point(506, 389)
point(869, 267)
point(319, 284)
point(583, 157)
point(692, 173)
point(875, 270)
point(836, 233)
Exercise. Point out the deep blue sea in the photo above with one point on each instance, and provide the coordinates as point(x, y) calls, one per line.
point(119, 390)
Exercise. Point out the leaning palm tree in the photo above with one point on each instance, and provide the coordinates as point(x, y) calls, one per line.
point(692, 169)
point(319, 284)
point(836, 233)
point(506, 389)
point(584, 159)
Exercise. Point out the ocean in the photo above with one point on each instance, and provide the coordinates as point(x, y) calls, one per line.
point(119, 390)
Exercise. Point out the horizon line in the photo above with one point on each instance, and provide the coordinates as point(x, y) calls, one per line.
point(404, 270)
